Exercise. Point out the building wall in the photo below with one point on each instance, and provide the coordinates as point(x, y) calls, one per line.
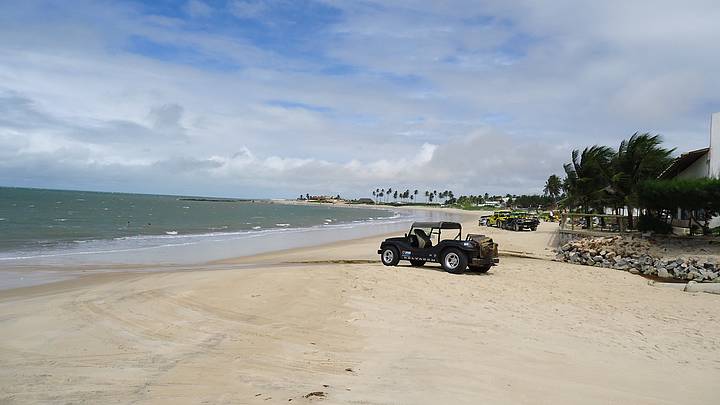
point(715, 145)
point(697, 170)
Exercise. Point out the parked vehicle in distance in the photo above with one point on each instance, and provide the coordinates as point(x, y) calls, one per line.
point(483, 221)
point(497, 217)
point(476, 252)
point(519, 221)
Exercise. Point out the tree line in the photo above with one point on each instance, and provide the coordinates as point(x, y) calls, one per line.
point(385, 195)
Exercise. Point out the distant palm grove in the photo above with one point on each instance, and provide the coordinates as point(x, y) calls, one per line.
point(385, 195)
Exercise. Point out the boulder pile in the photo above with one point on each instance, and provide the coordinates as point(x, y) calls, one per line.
point(637, 256)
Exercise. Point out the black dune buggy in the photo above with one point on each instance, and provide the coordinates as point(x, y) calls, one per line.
point(519, 223)
point(477, 252)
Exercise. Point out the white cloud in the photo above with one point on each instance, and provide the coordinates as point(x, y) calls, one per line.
point(474, 96)
point(246, 9)
point(197, 8)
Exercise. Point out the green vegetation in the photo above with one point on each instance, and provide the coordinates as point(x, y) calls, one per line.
point(700, 197)
point(600, 177)
point(553, 187)
point(407, 197)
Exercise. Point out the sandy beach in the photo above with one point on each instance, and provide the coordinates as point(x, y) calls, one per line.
point(331, 324)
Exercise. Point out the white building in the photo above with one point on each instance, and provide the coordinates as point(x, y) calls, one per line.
point(701, 163)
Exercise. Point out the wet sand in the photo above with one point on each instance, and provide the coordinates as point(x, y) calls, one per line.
point(333, 321)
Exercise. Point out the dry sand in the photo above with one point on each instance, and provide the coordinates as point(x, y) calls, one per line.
point(332, 320)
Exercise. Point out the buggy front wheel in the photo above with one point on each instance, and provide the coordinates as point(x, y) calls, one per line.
point(390, 256)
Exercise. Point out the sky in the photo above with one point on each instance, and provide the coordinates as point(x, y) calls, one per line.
point(255, 98)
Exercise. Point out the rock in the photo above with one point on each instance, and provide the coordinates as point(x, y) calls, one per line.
point(610, 255)
point(693, 286)
point(598, 258)
point(694, 275)
point(663, 273)
point(634, 271)
point(649, 270)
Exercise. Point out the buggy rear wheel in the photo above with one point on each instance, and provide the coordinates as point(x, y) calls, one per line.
point(454, 261)
point(390, 256)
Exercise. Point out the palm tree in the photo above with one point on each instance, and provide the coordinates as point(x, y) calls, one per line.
point(588, 176)
point(638, 159)
point(415, 192)
point(395, 195)
point(427, 194)
point(553, 186)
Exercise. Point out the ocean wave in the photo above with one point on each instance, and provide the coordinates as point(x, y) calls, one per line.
point(174, 238)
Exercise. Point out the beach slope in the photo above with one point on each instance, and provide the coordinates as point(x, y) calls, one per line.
point(304, 326)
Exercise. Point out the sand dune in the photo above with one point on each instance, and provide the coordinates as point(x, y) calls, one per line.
point(300, 322)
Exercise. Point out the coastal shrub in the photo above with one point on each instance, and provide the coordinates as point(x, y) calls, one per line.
point(700, 197)
point(651, 223)
point(689, 194)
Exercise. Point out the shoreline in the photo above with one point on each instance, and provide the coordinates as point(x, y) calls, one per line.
point(63, 267)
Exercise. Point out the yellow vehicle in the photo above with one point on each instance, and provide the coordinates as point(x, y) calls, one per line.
point(498, 217)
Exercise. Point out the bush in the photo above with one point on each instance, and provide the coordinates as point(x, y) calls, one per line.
point(700, 196)
point(651, 223)
point(689, 194)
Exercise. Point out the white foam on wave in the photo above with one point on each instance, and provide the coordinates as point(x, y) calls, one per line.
point(174, 239)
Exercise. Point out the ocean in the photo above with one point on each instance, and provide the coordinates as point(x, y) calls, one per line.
point(71, 227)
